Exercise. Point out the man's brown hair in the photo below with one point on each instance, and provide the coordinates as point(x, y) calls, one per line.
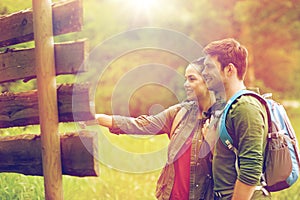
point(229, 51)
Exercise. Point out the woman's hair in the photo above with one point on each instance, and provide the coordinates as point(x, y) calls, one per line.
point(198, 64)
point(229, 51)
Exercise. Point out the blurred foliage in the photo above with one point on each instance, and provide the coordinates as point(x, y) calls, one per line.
point(269, 29)
point(109, 95)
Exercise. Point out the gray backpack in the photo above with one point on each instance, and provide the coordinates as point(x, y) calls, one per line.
point(281, 162)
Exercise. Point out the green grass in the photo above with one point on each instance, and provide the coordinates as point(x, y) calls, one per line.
point(117, 180)
point(113, 184)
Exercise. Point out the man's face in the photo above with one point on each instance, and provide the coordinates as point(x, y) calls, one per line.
point(213, 74)
point(194, 85)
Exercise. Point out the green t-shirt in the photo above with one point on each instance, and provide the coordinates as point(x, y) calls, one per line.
point(247, 124)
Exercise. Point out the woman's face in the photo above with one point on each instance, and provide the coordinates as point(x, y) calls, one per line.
point(195, 87)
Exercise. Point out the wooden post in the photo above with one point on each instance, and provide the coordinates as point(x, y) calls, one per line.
point(47, 98)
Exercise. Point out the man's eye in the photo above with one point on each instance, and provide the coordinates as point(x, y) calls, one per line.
point(209, 66)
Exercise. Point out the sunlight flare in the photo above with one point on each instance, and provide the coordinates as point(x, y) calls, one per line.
point(144, 4)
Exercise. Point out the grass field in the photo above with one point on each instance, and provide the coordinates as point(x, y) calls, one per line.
point(114, 184)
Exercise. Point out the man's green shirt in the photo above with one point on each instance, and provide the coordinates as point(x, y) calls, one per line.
point(247, 124)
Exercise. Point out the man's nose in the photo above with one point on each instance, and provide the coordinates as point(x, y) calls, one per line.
point(204, 71)
point(186, 84)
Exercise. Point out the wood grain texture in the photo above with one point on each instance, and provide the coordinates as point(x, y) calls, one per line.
point(21, 109)
point(23, 154)
point(18, 27)
point(47, 98)
point(20, 64)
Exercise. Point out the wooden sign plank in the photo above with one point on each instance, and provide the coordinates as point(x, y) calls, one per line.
point(22, 154)
point(20, 64)
point(21, 109)
point(18, 27)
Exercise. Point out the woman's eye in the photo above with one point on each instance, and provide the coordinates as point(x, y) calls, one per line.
point(191, 78)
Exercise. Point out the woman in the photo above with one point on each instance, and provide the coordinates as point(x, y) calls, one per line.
point(187, 173)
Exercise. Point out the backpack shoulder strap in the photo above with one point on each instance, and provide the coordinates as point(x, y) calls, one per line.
point(177, 119)
point(224, 135)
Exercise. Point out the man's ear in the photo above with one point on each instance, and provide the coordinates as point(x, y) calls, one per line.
point(230, 69)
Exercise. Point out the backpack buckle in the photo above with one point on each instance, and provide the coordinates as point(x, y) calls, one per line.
point(229, 145)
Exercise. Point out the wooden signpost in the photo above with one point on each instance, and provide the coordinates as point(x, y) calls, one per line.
point(49, 154)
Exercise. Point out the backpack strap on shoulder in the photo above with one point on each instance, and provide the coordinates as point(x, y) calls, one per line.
point(224, 135)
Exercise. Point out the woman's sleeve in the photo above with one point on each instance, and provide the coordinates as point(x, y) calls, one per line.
point(144, 124)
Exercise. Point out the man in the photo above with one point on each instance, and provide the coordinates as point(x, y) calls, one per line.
point(246, 122)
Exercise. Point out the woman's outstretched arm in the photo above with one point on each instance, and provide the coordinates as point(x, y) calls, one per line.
point(100, 119)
